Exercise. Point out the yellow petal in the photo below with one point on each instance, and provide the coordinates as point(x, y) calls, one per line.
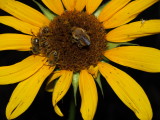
point(134, 30)
point(12, 41)
point(138, 57)
point(80, 4)
point(69, 4)
point(19, 25)
point(92, 5)
point(112, 8)
point(21, 71)
point(50, 84)
point(128, 13)
point(61, 89)
point(24, 12)
point(54, 5)
point(88, 94)
point(128, 90)
point(25, 92)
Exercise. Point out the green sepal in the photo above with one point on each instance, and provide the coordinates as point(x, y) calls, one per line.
point(45, 11)
point(98, 11)
point(98, 80)
point(105, 59)
point(111, 45)
point(75, 84)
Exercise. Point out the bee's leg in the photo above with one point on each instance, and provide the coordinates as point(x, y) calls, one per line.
point(47, 63)
point(51, 63)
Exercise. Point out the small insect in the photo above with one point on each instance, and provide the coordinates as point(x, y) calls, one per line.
point(142, 22)
point(35, 45)
point(53, 57)
point(80, 37)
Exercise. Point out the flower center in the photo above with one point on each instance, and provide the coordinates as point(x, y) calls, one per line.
point(72, 41)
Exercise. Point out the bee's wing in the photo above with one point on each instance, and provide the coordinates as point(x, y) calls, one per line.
point(86, 40)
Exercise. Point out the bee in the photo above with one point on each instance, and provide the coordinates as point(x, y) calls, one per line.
point(80, 37)
point(44, 31)
point(35, 45)
point(53, 57)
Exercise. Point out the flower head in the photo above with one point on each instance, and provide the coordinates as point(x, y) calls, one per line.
point(73, 45)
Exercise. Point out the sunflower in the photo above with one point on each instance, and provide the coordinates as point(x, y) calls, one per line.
point(73, 45)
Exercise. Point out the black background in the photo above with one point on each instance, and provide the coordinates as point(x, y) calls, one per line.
point(109, 106)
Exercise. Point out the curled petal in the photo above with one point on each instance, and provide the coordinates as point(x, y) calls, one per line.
point(61, 89)
point(50, 82)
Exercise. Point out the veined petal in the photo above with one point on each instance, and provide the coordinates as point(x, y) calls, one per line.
point(80, 4)
point(128, 13)
point(10, 41)
point(92, 5)
point(61, 89)
point(128, 90)
point(134, 30)
point(22, 70)
point(138, 57)
point(112, 8)
point(50, 85)
point(69, 4)
point(88, 94)
point(25, 92)
point(24, 12)
point(19, 25)
point(54, 5)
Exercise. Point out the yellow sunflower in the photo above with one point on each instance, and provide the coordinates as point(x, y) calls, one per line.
point(72, 45)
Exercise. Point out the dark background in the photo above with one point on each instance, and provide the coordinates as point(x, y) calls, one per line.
point(109, 106)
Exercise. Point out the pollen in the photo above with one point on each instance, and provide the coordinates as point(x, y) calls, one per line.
point(73, 41)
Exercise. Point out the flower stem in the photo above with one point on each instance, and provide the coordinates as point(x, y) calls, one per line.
point(72, 109)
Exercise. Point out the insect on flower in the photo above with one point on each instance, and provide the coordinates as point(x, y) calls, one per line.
point(53, 57)
point(44, 31)
point(80, 37)
point(35, 45)
point(142, 22)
